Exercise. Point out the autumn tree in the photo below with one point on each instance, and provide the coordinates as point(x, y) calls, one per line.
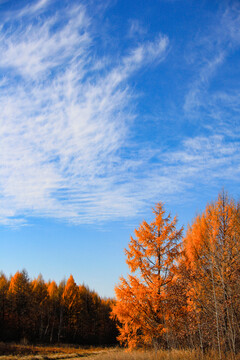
point(212, 251)
point(39, 304)
point(61, 288)
point(107, 330)
point(53, 306)
point(4, 284)
point(19, 297)
point(92, 312)
point(178, 324)
point(142, 303)
point(71, 303)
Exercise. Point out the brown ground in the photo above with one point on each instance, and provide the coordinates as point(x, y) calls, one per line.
point(29, 352)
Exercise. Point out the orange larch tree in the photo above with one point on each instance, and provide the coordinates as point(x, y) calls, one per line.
point(212, 250)
point(71, 303)
point(19, 299)
point(53, 308)
point(39, 306)
point(142, 304)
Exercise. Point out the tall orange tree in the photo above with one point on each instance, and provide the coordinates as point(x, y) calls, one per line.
point(212, 250)
point(71, 303)
point(19, 299)
point(142, 305)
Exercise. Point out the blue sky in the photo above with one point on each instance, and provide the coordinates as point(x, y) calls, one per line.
point(108, 107)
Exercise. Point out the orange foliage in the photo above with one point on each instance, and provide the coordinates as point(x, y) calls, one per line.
point(212, 253)
point(186, 296)
point(52, 290)
point(142, 304)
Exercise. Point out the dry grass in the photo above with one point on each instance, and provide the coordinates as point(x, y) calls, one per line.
point(119, 354)
point(27, 352)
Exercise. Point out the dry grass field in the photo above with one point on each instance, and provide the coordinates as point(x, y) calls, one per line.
point(119, 354)
point(30, 352)
point(27, 352)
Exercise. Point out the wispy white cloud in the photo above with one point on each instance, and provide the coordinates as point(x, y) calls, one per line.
point(199, 86)
point(208, 55)
point(201, 160)
point(62, 122)
point(230, 22)
point(34, 50)
point(33, 8)
point(136, 28)
point(148, 52)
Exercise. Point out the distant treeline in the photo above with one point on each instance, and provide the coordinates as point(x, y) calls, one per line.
point(35, 311)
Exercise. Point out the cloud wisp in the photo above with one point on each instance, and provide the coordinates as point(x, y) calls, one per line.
point(63, 121)
point(214, 46)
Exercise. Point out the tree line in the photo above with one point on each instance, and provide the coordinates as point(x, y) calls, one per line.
point(38, 312)
point(183, 291)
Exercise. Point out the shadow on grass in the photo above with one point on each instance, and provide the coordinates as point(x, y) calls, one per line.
point(42, 352)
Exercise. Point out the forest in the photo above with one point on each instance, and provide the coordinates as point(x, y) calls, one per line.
point(39, 312)
point(182, 291)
